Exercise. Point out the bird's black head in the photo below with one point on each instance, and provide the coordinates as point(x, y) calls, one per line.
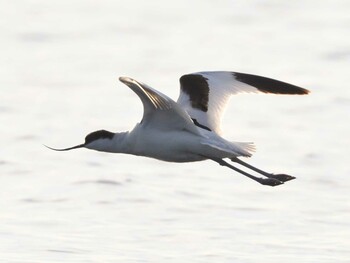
point(94, 140)
point(96, 135)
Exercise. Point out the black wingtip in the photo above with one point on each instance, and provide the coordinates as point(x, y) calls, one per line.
point(268, 85)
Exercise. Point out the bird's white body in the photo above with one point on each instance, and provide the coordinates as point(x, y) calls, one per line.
point(180, 146)
point(189, 130)
point(171, 146)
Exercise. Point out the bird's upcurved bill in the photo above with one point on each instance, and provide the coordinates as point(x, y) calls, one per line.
point(66, 149)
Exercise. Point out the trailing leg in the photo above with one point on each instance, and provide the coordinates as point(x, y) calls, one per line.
point(280, 177)
point(264, 181)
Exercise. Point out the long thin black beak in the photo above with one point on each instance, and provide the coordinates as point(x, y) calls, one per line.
point(66, 149)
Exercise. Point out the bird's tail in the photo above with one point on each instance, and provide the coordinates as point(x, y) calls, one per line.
point(232, 149)
point(245, 149)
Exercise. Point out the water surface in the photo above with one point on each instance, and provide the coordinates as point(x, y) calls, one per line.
point(59, 69)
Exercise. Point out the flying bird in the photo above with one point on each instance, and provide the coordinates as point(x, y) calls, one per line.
point(189, 130)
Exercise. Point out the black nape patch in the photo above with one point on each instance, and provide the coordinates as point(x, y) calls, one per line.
point(268, 85)
point(101, 134)
point(196, 86)
point(200, 125)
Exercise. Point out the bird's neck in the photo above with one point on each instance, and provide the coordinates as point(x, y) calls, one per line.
point(117, 144)
point(120, 142)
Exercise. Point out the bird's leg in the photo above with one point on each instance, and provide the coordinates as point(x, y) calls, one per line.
point(280, 177)
point(264, 181)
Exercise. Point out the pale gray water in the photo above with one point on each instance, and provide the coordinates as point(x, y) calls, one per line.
point(59, 66)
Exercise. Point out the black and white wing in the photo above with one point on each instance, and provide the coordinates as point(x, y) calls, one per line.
point(204, 95)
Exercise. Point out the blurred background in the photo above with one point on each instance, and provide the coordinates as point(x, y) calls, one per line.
point(60, 61)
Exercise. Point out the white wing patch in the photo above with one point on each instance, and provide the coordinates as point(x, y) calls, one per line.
point(221, 86)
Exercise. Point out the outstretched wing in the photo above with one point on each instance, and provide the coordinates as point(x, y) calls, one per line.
point(204, 95)
point(160, 111)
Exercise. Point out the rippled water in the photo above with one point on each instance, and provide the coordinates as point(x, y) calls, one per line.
point(59, 67)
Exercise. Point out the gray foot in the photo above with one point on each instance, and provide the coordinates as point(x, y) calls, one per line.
point(270, 181)
point(282, 177)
